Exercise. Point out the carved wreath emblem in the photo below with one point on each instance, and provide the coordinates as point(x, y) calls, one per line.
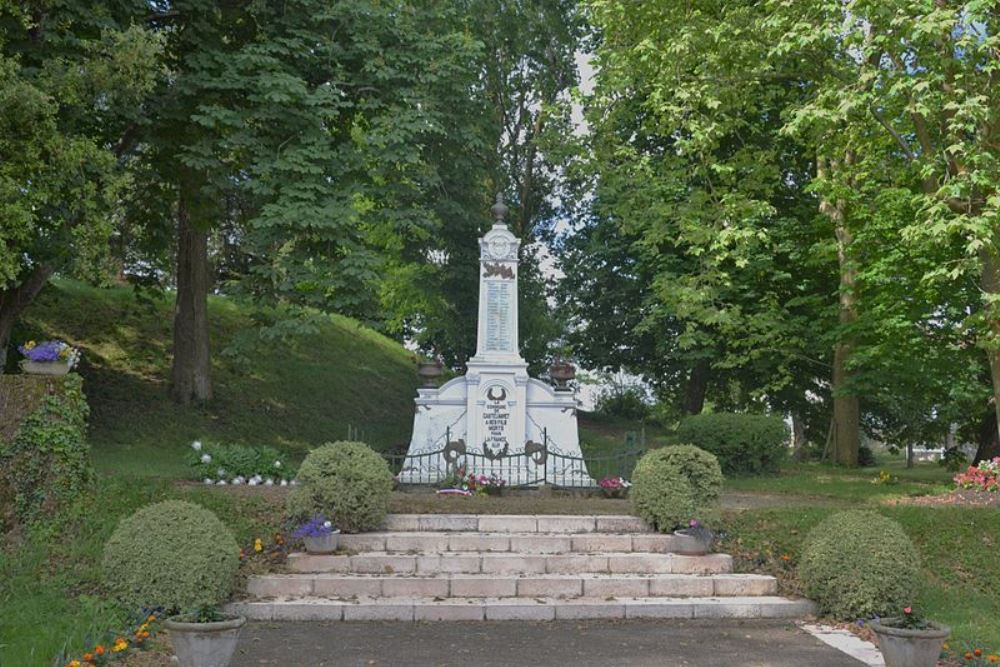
point(536, 452)
point(453, 450)
point(500, 270)
point(501, 397)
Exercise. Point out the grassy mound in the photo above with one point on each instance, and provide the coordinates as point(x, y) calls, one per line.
point(294, 397)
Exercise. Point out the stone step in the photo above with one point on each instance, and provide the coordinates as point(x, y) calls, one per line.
point(517, 542)
point(505, 586)
point(511, 563)
point(536, 609)
point(516, 523)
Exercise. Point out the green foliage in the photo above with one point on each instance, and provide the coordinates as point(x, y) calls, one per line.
point(174, 554)
point(346, 482)
point(47, 465)
point(225, 462)
point(293, 398)
point(858, 564)
point(953, 459)
point(674, 484)
point(866, 457)
point(745, 444)
point(628, 402)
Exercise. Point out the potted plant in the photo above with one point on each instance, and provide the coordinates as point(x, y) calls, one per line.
point(910, 640)
point(50, 357)
point(614, 487)
point(204, 637)
point(695, 540)
point(319, 535)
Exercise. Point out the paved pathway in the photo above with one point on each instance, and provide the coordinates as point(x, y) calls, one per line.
point(558, 643)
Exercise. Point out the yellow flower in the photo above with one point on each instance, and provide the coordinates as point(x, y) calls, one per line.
point(120, 645)
point(73, 663)
point(258, 545)
point(30, 345)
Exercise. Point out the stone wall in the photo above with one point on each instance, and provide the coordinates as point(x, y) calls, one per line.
point(20, 395)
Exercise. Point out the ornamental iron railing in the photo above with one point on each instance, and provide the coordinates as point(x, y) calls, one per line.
point(539, 463)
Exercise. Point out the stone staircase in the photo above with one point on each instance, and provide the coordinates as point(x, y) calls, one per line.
point(466, 567)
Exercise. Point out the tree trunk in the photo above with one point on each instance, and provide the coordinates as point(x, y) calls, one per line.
point(846, 407)
point(798, 436)
point(190, 378)
point(697, 388)
point(989, 440)
point(15, 300)
point(991, 287)
point(909, 455)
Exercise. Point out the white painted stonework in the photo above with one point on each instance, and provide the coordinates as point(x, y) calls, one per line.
point(495, 411)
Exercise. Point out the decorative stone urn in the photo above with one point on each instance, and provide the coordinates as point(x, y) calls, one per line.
point(45, 367)
point(322, 544)
point(430, 371)
point(562, 373)
point(906, 647)
point(204, 644)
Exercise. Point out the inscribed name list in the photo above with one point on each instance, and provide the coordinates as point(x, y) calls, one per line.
point(499, 316)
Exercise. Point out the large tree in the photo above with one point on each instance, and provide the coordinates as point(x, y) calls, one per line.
point(704, 205)
point(299, 141)
point(73, 79)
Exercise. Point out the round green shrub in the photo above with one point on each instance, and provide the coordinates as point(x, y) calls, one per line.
point(173, 554)
point(673, 484)
point(745, 444)
point(858, 564)
point(347, 482)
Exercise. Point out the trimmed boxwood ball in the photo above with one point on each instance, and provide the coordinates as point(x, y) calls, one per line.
point(174, 554)
point(858, 564)
point(674, 484)
point(347, 482)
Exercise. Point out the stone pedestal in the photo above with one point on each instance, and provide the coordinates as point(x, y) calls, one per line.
point(496, 420)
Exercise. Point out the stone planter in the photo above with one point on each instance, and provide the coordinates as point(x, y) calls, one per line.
point(562, 373)
point(693, 541)
point(204, 644)
point(322, 544)
point(903, 647)
point(430, 371)
point(45, 367)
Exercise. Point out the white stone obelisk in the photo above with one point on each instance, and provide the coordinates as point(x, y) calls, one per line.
point(496, 420)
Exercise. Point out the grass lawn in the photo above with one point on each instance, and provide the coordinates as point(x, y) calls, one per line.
point(958, 545)
point(290, 396)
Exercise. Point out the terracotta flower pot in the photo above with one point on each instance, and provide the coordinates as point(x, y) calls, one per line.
point(905, 647)
point(204, 644)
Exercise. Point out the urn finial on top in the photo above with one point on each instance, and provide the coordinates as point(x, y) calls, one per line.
point(499, 210)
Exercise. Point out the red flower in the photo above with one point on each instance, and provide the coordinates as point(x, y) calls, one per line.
point(907, 610)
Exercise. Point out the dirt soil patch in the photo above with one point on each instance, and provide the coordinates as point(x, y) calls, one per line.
point(958, 497)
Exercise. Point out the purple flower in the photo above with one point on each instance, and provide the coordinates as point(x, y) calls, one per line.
point(315, 527)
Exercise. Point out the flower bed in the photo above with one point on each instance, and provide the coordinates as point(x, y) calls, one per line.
point(982, 477)
point(237, 464)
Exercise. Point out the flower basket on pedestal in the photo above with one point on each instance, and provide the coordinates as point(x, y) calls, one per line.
point(50, 357)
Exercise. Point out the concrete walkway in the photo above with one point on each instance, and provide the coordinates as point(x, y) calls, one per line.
point(556, 643)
